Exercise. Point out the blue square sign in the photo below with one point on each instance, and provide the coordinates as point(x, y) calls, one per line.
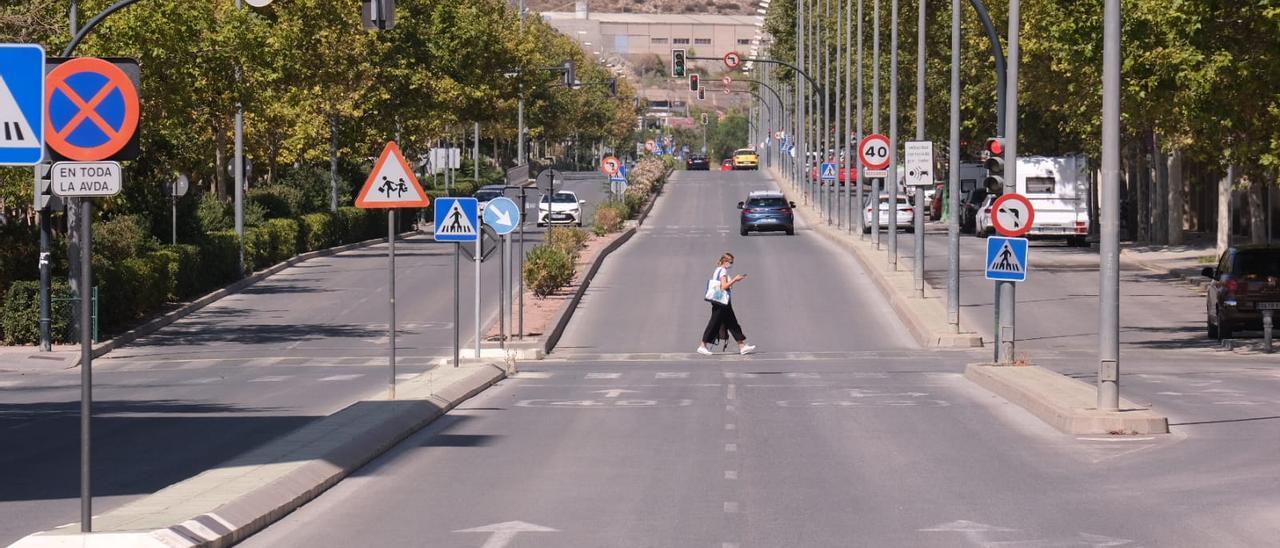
point(457, 219)
point(1006, 259)
point(21, 104)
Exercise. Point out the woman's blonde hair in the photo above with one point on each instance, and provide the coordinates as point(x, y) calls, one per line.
point(724, 258)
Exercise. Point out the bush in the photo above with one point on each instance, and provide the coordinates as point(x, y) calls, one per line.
point(213, 214)
point(567, 239)
point(609, 217)
point(635, 204)
point(279, 201)
point(317, 231)
point(220, 259)
point(20, 314)
point(546, 269)
point(187, 278)
point(463, 187)
point(131, 288)
point(120, 238)
point(274, 241)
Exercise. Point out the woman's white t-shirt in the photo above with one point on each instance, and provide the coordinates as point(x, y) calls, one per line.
point(722, 272)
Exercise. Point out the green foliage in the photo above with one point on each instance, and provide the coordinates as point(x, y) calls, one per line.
point(609, 217)
point(318, 231)
point(546, 269)
point(567, 239)
point(213, 214)
point(121, 238)
point(20, 313)
point(271, 242)
point(279, 201)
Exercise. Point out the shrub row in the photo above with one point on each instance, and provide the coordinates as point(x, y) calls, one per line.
point(136, 280)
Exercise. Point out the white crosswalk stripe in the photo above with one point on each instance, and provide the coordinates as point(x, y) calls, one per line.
point(333, 378)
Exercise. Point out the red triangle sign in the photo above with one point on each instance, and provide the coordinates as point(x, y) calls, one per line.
point(392, 184)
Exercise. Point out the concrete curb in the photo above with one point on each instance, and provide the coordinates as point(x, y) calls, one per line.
point(924, 317)
point(1063, 402)
point(168, 318)
point(227, 504)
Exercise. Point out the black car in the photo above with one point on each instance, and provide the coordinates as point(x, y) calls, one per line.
point(1245, 282)
point(970, 205)
point(697, 162)
point(766, 211)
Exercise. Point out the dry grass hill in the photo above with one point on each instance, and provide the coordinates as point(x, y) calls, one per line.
point(703, 7)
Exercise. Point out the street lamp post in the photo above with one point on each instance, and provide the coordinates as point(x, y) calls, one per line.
point(1109, 292)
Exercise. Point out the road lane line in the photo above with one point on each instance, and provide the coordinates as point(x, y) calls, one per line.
point(604, 375)
point(271, 378)
point(341, 377)
point(730, 426)
point(730, 507)
point(730, 448)
point(731, 474)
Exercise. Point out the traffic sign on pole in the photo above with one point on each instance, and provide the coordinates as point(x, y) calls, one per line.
point(732, 60)
point(874, 152)
point(86, 179)
point(829, 172)
point(918, 156)
point(457, 220)
point(1012, 215)
point(93, 110)
point(726, 80)
point(610, 165)
point(22, 113)
point(1006, 259)
point(502, 214)
point(392, 183)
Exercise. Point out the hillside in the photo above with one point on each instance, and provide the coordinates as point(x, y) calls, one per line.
point(705, 7)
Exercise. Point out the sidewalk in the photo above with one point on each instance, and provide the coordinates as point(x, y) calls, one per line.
point(1181, 262)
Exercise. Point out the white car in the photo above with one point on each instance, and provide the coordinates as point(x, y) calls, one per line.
point(562, 208)
point(906, 216)
point(982, 222)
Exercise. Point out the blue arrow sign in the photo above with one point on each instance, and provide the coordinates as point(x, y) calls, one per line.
point(457, 219)
point(502, 214)
point(21, 104)
point(1006, 259)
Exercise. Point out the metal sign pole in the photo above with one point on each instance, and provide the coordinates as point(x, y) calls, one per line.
point(479, 258)
point(457, 304)
point(920, 121)
point(1007, 302)
point(173, 205)
point(1109, 290)
point(391, 299)
point(502, 292)
point(523, 211)
point(86, 365)
point(953, 185)
point(891, 188)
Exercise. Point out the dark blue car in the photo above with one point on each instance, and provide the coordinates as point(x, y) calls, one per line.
point(766, 211)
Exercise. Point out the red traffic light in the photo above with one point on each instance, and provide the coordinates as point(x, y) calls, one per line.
point(693, 82)
point(995, 146)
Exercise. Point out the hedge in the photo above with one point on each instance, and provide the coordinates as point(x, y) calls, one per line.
point(546, 269)
point(136, 279)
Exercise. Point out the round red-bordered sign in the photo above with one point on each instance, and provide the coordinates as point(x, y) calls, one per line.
point(1012, 215)
point(732, 60)
point(874, 151)
point(93, 109)
point(610, 165)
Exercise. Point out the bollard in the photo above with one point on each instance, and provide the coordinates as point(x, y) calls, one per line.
point(1266, 331)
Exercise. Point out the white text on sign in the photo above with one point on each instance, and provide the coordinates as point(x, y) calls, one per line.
point(86, 179)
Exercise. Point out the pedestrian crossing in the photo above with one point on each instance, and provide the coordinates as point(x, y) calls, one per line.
point(132, 364)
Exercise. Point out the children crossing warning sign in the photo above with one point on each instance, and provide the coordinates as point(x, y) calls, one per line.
point(391, 183)
point(1006, 259)
point(457, 220)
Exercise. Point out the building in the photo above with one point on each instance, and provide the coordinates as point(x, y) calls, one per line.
point(635, 35)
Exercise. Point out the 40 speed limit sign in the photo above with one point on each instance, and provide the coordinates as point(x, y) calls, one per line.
point(874, 153)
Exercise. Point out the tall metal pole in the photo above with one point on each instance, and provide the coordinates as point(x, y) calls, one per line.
point(479, 257)
point(858, 199)
point(86, 365)
point(475, 152)
point(953, 187)
point(876, 182)
point(842, 115)
point(45, 232)
point(892, 189)
point(1006, 289)
point(239, 167)
point(825, 25)
point(1109, 287)
point(457, 304)
point(801, 131)
point(391, 300)
point(920, 212)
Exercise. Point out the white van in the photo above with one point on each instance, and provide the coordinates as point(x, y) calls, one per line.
point(1058, 188)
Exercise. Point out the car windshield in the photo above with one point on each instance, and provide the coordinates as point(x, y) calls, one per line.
point(486, 195)
point(744, 151)
point(1258, 263)
point(767, 203)
point(561, 198)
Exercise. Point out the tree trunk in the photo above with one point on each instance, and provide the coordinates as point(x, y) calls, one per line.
point(1160, 214)
point(1224, 209)
point(219, 160)
point(1257, 226)
point(1177, 189)
point(1142, 205)
point(333, 163)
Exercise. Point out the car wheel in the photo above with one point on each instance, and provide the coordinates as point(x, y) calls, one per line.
point(1213, 330)
point(742, 231)
point(791, 231)
point(579, 224)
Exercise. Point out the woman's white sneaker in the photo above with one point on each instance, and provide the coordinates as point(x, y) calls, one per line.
point(747, 350)
point(702, 349)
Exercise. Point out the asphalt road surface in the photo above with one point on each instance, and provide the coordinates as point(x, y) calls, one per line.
point(251, 367)
point(839, 432)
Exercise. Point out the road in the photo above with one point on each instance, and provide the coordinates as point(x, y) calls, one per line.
point(244, 370)
point(839, 432)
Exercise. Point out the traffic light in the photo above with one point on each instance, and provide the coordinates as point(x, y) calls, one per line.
point(693, 82)
point(677, 63)
point(569, 78)
point(993, 160)
point(704, 118)
point(702, 93)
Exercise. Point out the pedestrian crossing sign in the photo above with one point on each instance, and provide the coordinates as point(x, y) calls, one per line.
point(829, 172)
point(392, 184)
point(22, 98)
point(457, 219)
point(1006, 259)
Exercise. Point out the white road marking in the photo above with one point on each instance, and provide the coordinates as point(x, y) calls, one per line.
point(722, 544)
point(731, 474)
point(803, 375)
point(603, 375)
point(533, 375)
point(406, 376)
point(1115, 439)
point(733, 391)
point(613, 392)
point(730, 426)
point(684, 375)
point(730, 507)
point(504, 533)
point(7, 384)
point(728, 408)
point(730, 447)
point(332, 378)
point(1237, 402)
point(271, 378)
point(202, 380)
point(1169, 393)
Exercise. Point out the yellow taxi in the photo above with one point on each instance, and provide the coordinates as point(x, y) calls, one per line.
point(745, 158)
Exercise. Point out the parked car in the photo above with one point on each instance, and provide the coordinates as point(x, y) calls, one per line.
point(906, 217)
point(970, 203)
point(487, 193)
point(766, 210)
point(1245, 282)
point(1058, 187)
point(563, 207)
point(697, 162)
point(939, 199)
point(982, 227)
point(726, 164)
point(746, 158)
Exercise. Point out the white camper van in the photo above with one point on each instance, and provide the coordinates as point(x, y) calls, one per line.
point(1058, 188)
